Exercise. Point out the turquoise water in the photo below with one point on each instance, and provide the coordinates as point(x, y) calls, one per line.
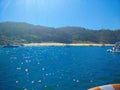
point(57, 68)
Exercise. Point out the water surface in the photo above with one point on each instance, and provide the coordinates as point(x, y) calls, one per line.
point(57, 68)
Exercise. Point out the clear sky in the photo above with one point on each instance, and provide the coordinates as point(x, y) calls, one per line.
point(91, 14)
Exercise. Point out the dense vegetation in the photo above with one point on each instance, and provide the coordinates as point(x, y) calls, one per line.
point(27, 33)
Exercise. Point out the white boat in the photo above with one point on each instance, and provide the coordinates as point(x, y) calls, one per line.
point(116, 48)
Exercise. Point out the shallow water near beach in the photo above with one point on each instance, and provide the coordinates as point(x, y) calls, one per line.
point(57, 68)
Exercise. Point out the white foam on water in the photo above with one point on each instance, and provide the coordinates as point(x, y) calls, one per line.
point(39, 81)
point(27, 61)
point(26, 70)
point(17, 81)
point(74, 80)
point(32, 81)
point(38, 63)
point(18, 68)
point(77, 81)
point(46, 74)
point(45, 86)
point(25, 88)
point(27, 57)
point(21, 62)
point(43, 69)
point(91, 80)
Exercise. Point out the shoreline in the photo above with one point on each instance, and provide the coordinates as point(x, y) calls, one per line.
point(63, 44)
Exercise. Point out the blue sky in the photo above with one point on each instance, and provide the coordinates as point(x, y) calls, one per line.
point(91, 14)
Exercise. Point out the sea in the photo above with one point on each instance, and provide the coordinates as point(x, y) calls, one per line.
point(57, 67)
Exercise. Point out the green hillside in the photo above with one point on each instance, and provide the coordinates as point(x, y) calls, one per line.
point(28, 33)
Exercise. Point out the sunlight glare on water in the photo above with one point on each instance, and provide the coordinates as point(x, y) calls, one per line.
point(57, 68)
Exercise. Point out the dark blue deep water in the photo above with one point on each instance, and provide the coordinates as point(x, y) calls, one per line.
point(57, 68)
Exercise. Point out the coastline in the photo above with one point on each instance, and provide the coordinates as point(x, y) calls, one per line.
point(64, 44)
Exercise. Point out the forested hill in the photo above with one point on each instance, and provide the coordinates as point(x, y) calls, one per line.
point(27, 33)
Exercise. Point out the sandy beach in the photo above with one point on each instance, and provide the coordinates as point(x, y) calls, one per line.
point(63, 44)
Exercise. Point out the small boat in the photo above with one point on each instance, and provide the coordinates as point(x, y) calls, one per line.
point(107, 87)
point(116, 48)
point(11, 46)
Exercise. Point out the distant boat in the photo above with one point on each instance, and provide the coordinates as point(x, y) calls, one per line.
point(11, 46)
point(116, 48)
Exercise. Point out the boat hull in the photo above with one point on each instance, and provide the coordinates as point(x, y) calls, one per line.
point(107, 87)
